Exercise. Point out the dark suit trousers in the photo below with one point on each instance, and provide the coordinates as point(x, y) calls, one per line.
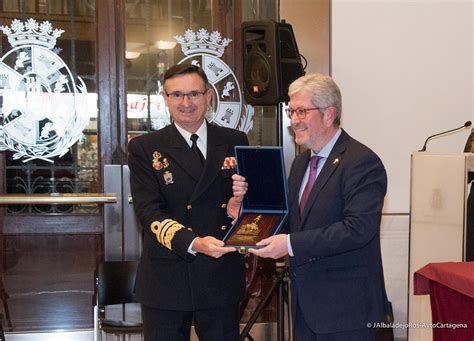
point(302, 332)
point(211, 324)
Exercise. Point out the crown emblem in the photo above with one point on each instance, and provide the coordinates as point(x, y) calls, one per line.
point(202, 41)
point(31, 33)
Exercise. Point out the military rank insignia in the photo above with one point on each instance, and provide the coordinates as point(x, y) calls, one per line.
point(229, 163)
point(165, 231)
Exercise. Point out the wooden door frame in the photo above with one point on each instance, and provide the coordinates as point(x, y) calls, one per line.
point(111, 85)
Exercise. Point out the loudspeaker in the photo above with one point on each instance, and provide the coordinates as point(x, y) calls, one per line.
point(271, 61)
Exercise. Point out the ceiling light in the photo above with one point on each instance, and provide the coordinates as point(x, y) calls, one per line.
point(131, 54)
point(165, 44)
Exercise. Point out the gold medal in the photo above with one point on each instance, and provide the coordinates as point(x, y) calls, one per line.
point(156, 163)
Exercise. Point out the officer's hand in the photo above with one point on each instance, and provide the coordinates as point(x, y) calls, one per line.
point(239, 186)
point(212, 247)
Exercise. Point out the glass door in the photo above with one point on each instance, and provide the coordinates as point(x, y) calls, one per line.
point(58, 214)
point(48, 96)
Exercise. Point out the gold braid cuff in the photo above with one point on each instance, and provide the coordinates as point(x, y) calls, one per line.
point(165, 231)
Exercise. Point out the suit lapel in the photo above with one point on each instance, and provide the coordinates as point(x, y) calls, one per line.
point(297, 173)
point(216, 153)
point(299, 168)
point(330, 166)
point(182, 154)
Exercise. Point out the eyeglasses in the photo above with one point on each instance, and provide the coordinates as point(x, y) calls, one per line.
point(300, 112)
point(179, 96)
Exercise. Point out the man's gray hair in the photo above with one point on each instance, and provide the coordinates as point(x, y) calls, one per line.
point(323, 90)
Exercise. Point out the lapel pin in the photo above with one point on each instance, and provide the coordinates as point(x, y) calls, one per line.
point(168, 177)
point(156, 163)
point(336, 160)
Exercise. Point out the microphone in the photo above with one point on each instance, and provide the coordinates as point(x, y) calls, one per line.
point(465, 125)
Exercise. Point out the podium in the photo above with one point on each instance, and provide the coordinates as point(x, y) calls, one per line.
point(438, 204)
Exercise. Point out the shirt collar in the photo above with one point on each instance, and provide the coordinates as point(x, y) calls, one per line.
point(201, 132)
point(326, 150)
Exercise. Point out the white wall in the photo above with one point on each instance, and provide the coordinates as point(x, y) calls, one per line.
point(405, 69)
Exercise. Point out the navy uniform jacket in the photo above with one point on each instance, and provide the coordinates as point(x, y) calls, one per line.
point(174, 204)
point(336, 271)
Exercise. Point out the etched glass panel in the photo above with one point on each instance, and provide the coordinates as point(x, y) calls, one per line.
point(47, 270)
point(47, 100)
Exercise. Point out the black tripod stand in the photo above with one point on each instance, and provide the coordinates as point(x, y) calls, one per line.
point(280, 282)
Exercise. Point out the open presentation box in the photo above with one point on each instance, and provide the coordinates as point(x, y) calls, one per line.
point(265, 206)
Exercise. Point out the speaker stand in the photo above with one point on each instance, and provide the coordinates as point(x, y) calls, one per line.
point(281, 283)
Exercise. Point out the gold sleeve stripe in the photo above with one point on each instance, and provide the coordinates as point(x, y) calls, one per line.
point(170, 235)
point(165, 231)
point(164, 226)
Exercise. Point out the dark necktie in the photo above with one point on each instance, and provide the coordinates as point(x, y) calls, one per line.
point(313, 170)
point(196, 149)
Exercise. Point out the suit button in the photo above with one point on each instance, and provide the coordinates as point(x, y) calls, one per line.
point(223, 227)
point(223, 206)
point(189, 206)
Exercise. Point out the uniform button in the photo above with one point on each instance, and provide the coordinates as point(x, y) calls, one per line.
point(189, 206)
point(223, 206)
point(223, 227)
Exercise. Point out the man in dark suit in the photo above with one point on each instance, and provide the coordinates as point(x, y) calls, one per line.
point(181, 187)
point(333, 240)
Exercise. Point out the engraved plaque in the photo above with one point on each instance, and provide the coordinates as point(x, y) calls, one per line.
point(254, 227)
